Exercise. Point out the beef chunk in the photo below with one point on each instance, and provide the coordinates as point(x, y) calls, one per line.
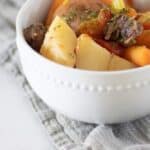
point(123, 29)
point(34, 35)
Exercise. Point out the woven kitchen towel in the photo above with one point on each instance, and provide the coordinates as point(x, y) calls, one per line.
point(65, 133)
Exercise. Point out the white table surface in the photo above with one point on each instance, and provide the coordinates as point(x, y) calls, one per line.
point(20, 128)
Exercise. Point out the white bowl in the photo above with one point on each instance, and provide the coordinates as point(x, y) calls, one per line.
point(94, 97)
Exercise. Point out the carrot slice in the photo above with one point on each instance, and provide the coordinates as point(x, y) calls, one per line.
point(108, 2)
point(55, 4)
point(144, 38)
point(146, 25)
point(139, 55)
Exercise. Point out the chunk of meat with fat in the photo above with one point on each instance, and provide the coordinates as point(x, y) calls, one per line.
point(95, 27)
point(77, 11)
point(123, 29)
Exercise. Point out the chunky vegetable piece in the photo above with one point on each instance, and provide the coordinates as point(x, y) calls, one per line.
point(144, 38)
point(118, 63)
point(140, 55)
point(90, 55)
point(60, 42)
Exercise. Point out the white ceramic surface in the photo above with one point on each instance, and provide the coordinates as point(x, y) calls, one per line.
point(95, 97)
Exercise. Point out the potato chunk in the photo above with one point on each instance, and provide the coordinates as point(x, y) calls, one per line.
point(60, 43)
point(118, 63)
point(90, 55)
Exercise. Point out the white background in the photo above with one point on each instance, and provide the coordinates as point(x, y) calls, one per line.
point(20, 128)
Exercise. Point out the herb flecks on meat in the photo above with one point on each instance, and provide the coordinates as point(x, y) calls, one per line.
point(70, 16)
point(34, 35)
point(89, 14)
point(123, 29)
point(85, 15)
point(94, 26)
point(76, 12)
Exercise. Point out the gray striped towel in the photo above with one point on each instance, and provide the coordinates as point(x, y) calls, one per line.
point(65, 133)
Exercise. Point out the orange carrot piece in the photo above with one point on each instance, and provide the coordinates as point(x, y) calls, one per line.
point(55, 4)
point(147, 25)
point(108, 2)
point(144, 38)
point(139, 55)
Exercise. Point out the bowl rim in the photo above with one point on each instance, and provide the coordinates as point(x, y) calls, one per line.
point(20, 36)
